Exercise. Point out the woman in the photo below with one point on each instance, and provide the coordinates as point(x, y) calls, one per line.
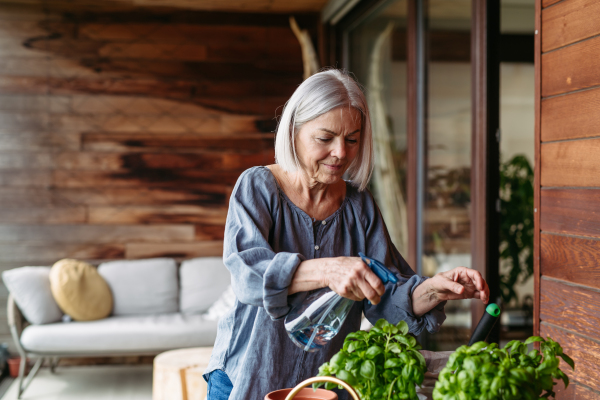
point(297, 226)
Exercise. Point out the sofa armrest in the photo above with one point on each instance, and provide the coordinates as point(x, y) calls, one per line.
point(16, 323)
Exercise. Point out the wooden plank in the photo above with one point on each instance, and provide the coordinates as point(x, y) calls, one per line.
point(157, 215)
point(96, 234)
point(571, 116)
point(46, 215)
point(139, 178)
point(25, 178)
point(571, 211)
point(56, 251)
point(574, 392)
point(171, 142)
point(570, 259)
point(154, 51)
point(572, 307)
point(585, 353)
point(546, 3)
point(536, 167)
point(175, 250)
point(193, 194)
point(209, 232)
point(35, 141)
point(34, 103)
point(569, 22)
point(571, 68)
point(571, 163)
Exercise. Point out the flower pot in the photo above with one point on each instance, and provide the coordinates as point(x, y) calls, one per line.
point(299, 393)
point(304, 394)
point(13, 366)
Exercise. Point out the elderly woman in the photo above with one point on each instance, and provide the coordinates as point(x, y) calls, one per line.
point(297, 226)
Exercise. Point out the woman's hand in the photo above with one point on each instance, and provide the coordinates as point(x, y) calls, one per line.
point(458, 283)
point(350, 277)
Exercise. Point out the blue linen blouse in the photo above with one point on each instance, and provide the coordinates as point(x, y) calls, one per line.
point(266, 238)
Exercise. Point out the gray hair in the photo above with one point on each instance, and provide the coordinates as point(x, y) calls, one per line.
point(316, 96)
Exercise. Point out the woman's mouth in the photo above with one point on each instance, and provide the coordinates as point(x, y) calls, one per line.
point(333, 167)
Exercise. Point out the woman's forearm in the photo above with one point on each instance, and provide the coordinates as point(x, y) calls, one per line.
point(424, 298)
point(309, 276)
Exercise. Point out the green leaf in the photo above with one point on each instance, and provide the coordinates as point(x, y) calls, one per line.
point(367, 369)
point(373, 352)
point(393, 363)
point(534, 339)
point(402, 327)
point(402, 339)
point(347, 377)
point(381, 323)
point(394, 348)
point(568, 360)
point(420, 359)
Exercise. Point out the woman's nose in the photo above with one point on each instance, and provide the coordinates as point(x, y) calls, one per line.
point(339, 150)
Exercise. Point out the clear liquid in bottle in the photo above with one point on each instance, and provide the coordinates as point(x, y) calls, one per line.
point(312, 324)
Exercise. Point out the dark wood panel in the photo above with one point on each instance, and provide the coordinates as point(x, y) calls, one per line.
point(181, 142)
point(572, 211)
point(571, 116)
point(119, 161)
point(570, 259)
point(576, 308)
point(175, 250)
point(157, 215)
point(536, 175)
point(96, 234)
point(571, 68)
point(154, 178)
point(585, 353)
point(209, 232)
point(568, 22)
point(175, 33)
point(55, 251)
point(571, 163)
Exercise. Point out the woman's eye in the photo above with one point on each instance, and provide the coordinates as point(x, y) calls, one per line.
point(325, 140)
point(352, 141)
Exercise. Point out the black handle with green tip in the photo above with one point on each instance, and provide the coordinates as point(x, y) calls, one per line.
point(486, 323)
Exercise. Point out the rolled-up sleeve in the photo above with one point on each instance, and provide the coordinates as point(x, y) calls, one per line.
point(259, 276)
point(396, 303)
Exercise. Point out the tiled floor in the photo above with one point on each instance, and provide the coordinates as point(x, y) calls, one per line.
point(89, 383)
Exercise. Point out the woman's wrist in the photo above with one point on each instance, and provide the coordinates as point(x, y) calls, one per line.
point(310, 275)
point(424, 298)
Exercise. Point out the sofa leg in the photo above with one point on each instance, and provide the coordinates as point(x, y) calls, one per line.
point(23, 383)
point(53, 364)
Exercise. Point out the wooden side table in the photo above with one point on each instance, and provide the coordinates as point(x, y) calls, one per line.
point(177, 374)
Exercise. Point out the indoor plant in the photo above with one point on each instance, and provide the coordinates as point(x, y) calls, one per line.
point(484, 371)
point(383, 363)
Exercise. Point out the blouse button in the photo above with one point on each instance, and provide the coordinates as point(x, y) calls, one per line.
point(317, 247)
point(324, 223)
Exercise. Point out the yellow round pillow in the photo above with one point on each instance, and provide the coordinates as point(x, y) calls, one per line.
point(80, 291)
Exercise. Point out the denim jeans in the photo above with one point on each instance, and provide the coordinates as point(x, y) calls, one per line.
point(219, 386)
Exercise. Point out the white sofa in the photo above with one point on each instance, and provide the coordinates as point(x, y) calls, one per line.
point(157, 306)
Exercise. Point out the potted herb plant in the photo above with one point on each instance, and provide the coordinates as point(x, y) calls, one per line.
point(484, 371)
point(383, 363)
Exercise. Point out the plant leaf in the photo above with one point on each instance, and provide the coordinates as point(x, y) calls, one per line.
point(568, 360)
point(367, 369)
point(534, 339)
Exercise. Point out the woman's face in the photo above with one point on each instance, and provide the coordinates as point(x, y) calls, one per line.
point(327, 145)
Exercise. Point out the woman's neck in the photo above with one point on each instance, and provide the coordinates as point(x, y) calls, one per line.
point(317, 199)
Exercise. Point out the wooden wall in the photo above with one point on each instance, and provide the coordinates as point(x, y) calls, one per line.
point(123, 130)
point(568, 186)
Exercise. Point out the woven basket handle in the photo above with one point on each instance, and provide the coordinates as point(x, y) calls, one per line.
point(310, 381)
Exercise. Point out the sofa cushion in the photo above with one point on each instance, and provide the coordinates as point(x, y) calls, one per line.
point(30, 286)
point(142, 287)
point(202, 281)
point(79, 290)
point(121, 335)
